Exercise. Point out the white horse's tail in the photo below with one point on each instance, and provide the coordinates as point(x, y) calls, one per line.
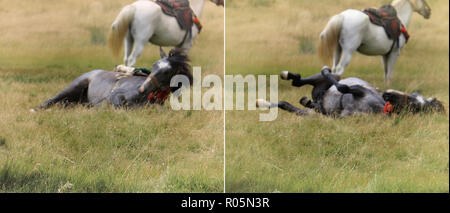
point(329, 38)
point(120, 28)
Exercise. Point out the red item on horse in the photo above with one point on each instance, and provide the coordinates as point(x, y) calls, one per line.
point(159, 96)
point(405, 33)
point(388, 108)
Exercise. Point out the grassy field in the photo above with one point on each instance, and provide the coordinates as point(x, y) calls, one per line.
point(320, 154)
point(44, 45)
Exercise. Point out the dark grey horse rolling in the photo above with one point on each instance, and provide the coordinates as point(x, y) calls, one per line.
point(98, 86)
point(336, 97)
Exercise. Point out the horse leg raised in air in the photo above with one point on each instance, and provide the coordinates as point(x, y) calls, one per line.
point(144, 21)
point(352, 31)
point(319, 83)
point(343, 97)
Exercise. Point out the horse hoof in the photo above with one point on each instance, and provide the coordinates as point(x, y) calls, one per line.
point(284, 75)
point(261, 103)
point(304, 101)
point(36, 109)
point(326, 68)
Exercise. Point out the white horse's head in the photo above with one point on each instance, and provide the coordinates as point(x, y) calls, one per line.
point(421, 7)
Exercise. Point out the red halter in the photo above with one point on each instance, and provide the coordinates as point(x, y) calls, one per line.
point(388, 108)
point(159, 96)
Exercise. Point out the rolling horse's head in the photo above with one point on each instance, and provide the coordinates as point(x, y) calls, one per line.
point(176, 63)
point(403, 102)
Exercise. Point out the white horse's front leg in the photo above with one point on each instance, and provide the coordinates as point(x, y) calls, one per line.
point(388, 64)
point(187, 45)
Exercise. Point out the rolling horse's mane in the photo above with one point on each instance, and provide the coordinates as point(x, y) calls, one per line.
point(179, 61)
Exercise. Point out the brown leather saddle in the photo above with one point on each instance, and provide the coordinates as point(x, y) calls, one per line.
point(386, 16)
point(181, 10)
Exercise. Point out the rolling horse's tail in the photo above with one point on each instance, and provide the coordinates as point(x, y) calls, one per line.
point(329, 38)
point(120, 28)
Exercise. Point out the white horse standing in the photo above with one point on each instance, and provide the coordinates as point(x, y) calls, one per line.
point(143, 21)
point(352, 31)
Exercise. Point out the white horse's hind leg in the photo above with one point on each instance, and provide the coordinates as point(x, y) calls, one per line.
point(337, 56)
point(346, 57)
point(138, 47)
point(349, 41)
point(388, 63)
point(141, 34)
point(128, 46)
